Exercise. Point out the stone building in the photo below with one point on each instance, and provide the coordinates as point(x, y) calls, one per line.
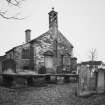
point(50, 49)
point(1, 59)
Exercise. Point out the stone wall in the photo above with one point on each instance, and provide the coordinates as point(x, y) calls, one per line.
point(47, 42)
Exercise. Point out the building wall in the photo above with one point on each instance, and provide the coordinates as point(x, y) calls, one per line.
point(59, 45)
point(16, 55)
point(21, 62)
point(37, 48)
point(47, 42)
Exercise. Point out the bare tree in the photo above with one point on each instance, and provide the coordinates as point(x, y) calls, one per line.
point(5, 8)
point(93, 55)
point(14, 2)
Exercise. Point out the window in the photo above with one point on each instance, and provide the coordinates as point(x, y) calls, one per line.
point(25, 54)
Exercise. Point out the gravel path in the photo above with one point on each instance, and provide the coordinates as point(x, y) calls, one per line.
point(50, 94)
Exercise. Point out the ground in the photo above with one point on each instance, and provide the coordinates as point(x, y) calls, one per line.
point(47, 94)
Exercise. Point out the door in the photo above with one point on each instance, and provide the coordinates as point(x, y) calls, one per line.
point(49, 62)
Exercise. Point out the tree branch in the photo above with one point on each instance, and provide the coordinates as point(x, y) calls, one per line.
point(3, 14)
point(93, 54)
point(15, 2)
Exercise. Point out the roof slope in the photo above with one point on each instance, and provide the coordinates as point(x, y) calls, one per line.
point(48, 37)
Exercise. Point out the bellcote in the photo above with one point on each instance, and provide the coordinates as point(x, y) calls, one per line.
point(53, 20)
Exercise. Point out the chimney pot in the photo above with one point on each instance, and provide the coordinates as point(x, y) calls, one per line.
point(28, 35)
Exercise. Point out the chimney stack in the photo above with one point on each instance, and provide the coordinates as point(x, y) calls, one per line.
point(28, 35)
point(53, 19)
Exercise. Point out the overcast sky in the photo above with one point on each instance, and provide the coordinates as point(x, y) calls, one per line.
point(81, 21)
